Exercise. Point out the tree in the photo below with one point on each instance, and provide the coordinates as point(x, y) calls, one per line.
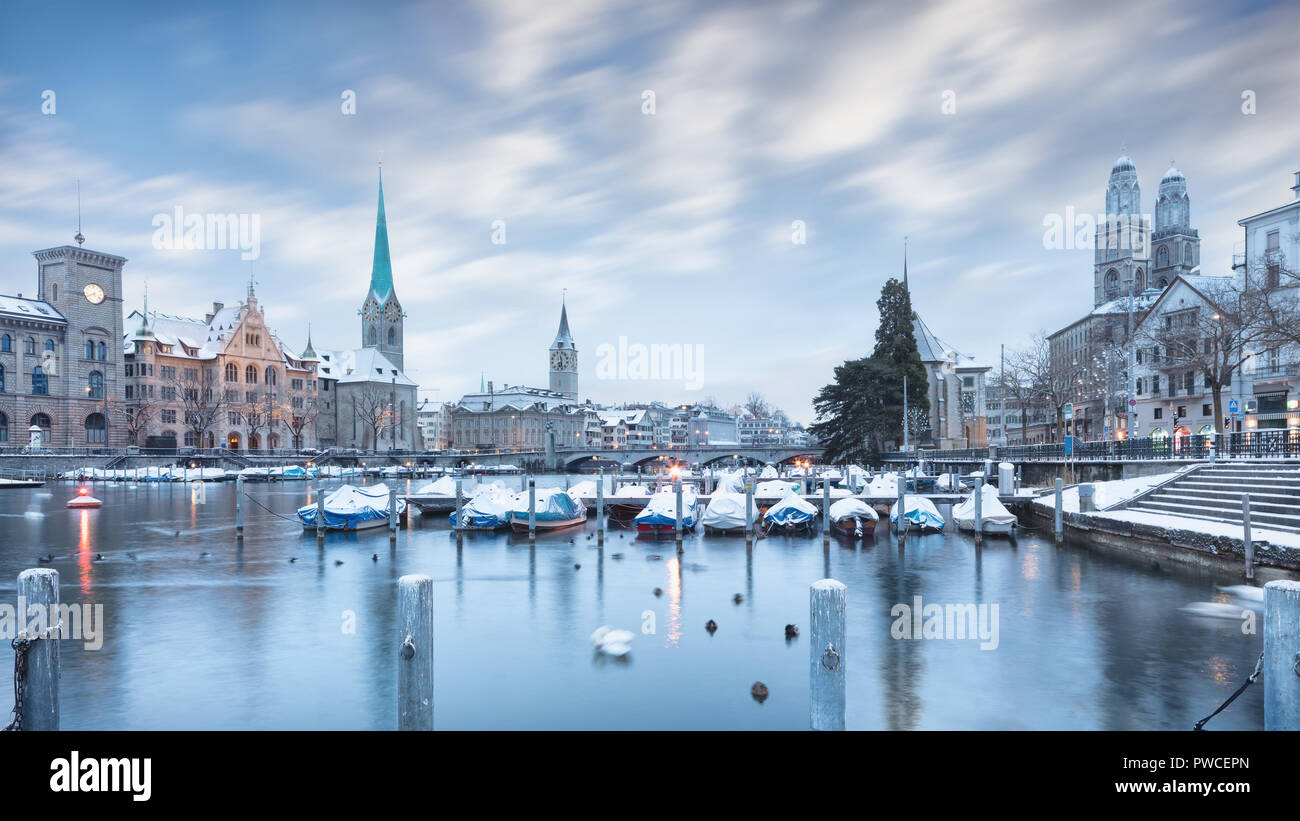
point(756, 405)
point(201, 405)
point(1016, 383)
point(1053, 379)
point(297, 420)
point(372, 406)
point(134, 416)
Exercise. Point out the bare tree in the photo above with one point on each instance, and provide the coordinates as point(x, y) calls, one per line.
point(373, 406)
point(756, 405)
point(135, 416)
point(201, 404)
point(298, 420)
point(1054, 379)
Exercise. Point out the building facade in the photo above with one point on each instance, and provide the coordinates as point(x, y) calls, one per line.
point(60, 352)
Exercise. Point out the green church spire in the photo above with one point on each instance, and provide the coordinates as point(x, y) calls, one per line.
point(381, 272)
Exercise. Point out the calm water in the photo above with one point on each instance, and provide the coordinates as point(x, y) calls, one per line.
point(241, 638)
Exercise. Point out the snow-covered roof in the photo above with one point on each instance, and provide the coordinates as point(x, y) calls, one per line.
point(360, 365)
point(30, 309)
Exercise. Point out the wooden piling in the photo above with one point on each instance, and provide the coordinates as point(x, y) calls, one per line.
point(320, 514)
point(532, 510)
point(901, 508)
point(1281, 668)
point(415, 653)
point(392, 514)
point(979, 511)
point(1247, 543)
point(460, 503)
point(749, 512)
point(239, 507)
point(1058, 520)
point(677, 528)
point(600, 506)
point(827, 601)
point(826, 511)
point(40, 708)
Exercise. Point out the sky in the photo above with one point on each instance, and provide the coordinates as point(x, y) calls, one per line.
point(737, 178)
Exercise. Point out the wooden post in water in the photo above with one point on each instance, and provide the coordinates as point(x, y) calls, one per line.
point(1058, 520)
point(532, 510)
point(415, 653)
point(901, 508)
point(1281, 655)
point(826, 655)
point(826, 511)
point(320, 514)
point(1247, 544)
point(677, 528)
point(392, 514)
point(979, 511)
point(460, 504)
point(239, 507)
point(600, 506)
point(749, 512)
point(40, 708)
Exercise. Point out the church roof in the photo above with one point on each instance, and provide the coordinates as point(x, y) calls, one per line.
point(360, 365)
point(927, 344)
point(563, 339)
point(381, 270)
point(1123, 164)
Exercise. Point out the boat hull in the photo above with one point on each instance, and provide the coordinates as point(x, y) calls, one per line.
point(352, 527)
point(989, 529)
point(849, 527)
point(520, 524)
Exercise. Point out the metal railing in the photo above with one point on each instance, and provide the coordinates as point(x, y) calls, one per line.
point(1257, 444)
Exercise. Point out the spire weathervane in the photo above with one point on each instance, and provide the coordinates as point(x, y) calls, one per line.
point(79, 238)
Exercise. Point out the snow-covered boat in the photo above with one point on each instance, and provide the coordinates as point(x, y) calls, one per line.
point(997, 519)
point(791, 513)
point(586, 489)
point(725, 513)
point(660, 513)
point(919, 514)
point(775, 489)
point(626, 512)
point(353, 508)
point(489, 509)
point(442, 486)
point(553, 509)
point(853, 518)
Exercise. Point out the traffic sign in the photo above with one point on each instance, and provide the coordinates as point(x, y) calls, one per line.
point(1252, 405)
point(1132, 403)
point(1069, 410)
point(1069, 445)
point(1232, 406)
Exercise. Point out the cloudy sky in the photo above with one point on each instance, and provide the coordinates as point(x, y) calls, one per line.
point(667, 227)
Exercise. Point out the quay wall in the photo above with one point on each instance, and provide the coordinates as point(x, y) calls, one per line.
point(52, 465)
point(1173, 544)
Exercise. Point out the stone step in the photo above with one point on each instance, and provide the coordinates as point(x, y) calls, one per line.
point(1264, 485)
point(1272, 521)
point(1225, 503)
point(1219, 493)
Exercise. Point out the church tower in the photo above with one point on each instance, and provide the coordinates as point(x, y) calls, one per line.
point(564, 359)
point(381, 313)
point(1175, 245)
point(1122, 242)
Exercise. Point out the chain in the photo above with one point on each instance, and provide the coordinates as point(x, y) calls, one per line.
point(1259, 666)
point(20, 646)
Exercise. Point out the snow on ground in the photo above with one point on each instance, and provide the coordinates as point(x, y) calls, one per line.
point(1278, 538)
point(1106, 494)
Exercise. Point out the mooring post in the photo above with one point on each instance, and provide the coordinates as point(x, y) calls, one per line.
point(901, 508)
point(392, 514)
point(677, 489)
point(460, 503)
point(1281, 668)
point(826, 511)
point(1058, 520)
point(40, 707)
point(826, 655)
point(320, 514)
point(239, 507)
point(600, 506)
point(749, 512)
point(523, 479)
point(979, 511)
point(532, 510)
point(1247, 544)
point(415, 653)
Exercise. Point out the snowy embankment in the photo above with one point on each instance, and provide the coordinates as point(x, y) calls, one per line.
point(1106, 494)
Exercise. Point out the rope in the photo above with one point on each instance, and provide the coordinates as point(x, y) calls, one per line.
point(1259, 665)
point(269, 510)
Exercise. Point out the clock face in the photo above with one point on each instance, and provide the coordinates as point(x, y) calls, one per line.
point(94, 293)
point(371, 311)
point(392, 313)
point(557, 360)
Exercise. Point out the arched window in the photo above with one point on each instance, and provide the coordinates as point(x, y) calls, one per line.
point(40, 382)
point(232, 372)
point(1112, 284)
point(95, 430)
point(392, 337)
point(90, 349)
point(191, 440)
point(49, 345)
point(373, 339)
point(250, 375)
point(2, 378)
point(96, 385)
point(1164, 282)
point(1139, 282)
point(6, 343)
point(270, 375)
point(55, 295)
point(254, 442)
point(102, 351)
point(42, 421)
point(30, 347)
point(1162, 256)
point(4, 427)
point(1187, 253)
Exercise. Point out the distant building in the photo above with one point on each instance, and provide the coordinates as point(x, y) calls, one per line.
point(60, 352)
point(434, 420)
point(956, 392)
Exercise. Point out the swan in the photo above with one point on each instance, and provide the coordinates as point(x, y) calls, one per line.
point(612, 642)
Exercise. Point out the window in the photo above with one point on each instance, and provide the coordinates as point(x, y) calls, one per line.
point(296, 384)
point(232, 372)
point(96, 385)
point(270, 375)
point(95, 430)
point(391, 338)
point(130, 391)
point(191, 374)
point(90, 349)
point(40, 382)
point(1207, 410)
point(190, 439)
point(4, 428)
point(1162, 256)
point(167, 416)
point(1139, 386)
point(6, 343)
point(43, 422)
point(1189, 382)
point(49, 345)
point(1273, 242)
point(2, 378)
point(373, 338)
point(250, 375)
point(29, 347)
point(168, 392)
point(1155, 386)
point(167, 371)
point(1158, 413)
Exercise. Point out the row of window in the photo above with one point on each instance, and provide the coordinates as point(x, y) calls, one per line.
point(40, 383)
point(96, 430)
point(250, 374)
point(1188, 385)
point(94, 350)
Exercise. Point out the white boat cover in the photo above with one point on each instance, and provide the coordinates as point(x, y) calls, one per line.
point(550, 504)
point(791, 510)
point(920, 511)
point(779, 488)
point(768, 472)
point(846, 509)
point(993, 511)
point(351, 505)
point(726, 511)
point(444, 486)
point(662, 508)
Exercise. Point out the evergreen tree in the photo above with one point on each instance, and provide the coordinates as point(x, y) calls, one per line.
point(863, 407)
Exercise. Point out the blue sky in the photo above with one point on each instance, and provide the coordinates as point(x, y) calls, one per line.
point(671, 228)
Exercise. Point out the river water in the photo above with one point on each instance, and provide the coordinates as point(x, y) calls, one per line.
point(202, 633)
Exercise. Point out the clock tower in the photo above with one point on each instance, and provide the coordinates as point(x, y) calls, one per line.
point(381, 314)
point(564, 359)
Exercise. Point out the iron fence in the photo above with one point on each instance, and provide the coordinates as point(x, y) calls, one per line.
point(1257, 444)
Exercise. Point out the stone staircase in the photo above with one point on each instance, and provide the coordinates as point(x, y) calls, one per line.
point(1214, 492)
